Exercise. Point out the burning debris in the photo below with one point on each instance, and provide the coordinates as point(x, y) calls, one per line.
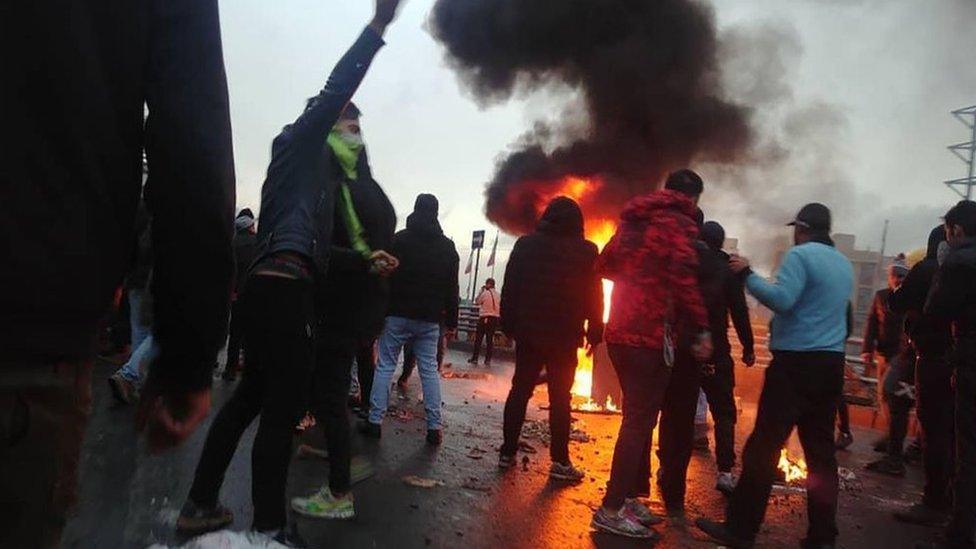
point(539, 430)
point(794, 470)
point(646, 96)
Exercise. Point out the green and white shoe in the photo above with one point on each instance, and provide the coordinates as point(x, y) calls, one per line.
point(323, 505)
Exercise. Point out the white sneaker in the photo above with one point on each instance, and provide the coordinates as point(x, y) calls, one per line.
point(725, 483)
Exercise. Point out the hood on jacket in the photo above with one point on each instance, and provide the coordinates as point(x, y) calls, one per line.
point(936, 237)
point(643, 208)
point(424, 216)
point(562, 217)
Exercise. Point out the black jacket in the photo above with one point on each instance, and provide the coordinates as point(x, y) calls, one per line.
point(299, 194)
point(724, 296)
point(929, 334)
point(425, 287)
point(551, 286)
point(73, 100)
point(245, 252)
point(352, 301)
point(884, 330)
point(953, 295)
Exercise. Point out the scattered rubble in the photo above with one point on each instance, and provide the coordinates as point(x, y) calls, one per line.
point(420, 482)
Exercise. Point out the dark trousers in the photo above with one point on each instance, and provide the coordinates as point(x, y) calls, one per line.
point(898, 380)
point(486, 330)
point(933, 382)
point(43, 413)
point(278, 337)
point(719, 387)
point(677, 432)
point(559, 361)
point(960, 532)
point(802, 390)
point(643, 379)
point(365, 368)
point(843, 416)
point(334, 354)
point(235, 339)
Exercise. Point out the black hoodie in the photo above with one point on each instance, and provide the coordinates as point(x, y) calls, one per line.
point(425, 287)
point(930, 335)
point(551, 286)
point(953, 295)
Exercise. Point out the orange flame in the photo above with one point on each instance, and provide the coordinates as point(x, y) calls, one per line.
point(794, 470)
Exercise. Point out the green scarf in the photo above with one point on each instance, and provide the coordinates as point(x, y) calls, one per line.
point(347, 155)
point(348, 158)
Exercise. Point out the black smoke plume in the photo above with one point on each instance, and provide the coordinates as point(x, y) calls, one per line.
point(648, 86)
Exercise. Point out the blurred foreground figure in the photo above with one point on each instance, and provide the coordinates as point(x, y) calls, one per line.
point(551, 292)
point(70, 184)
point(298, 202)
point(953, 298)
point(803, 383)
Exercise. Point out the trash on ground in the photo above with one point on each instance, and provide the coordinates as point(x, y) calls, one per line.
point(420, 482)
point(227, 539)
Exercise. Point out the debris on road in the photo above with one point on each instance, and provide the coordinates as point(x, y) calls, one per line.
point(526, 447)
point(475, 484)
point(420, 482)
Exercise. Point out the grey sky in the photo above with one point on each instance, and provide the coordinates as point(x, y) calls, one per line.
point(887, 72)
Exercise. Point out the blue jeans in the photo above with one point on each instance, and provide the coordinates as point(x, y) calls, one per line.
point(397, 333)
point(139, 330)
point(139, 360)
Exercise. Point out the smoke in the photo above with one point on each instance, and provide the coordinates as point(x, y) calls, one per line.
point(648, 96)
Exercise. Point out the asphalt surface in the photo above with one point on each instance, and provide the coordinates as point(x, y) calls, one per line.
point(131, 499)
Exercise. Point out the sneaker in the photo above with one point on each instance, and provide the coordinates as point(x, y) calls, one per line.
point(640, 511)
point(621, 523)
point(565, 471)
point(887, 465)
point(844, 440)
point(370, 429)
point(506, 462)
point(720, 533)
point(123, 390)
point(194, 521)
point(923, 515)
point(323, 505)
point(725, 483)
point(434, 437)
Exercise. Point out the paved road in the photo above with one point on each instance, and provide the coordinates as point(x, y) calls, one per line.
point(130, 499)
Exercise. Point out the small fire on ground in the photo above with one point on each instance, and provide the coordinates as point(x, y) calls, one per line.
point(794, 470)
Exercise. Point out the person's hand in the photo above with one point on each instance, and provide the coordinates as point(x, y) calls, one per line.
point(702, 349)
point(384, 14)
point(867, 358)
point(169, 420)
point(382, 263)
point(738, 264)
point(749, 359)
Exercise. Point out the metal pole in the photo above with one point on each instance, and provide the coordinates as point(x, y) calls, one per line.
point(972, 160)
point(477, 263)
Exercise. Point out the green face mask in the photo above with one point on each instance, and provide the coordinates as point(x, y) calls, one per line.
point(346, 146)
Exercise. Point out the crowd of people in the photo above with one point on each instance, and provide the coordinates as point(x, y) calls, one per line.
point(322, 281)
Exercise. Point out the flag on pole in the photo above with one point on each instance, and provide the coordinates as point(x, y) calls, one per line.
point(467, 270)
point(491, 258)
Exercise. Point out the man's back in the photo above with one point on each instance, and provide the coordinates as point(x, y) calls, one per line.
point(74, 98)
point(424, 287)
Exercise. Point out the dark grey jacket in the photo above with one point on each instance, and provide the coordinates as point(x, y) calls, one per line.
point(299, 192)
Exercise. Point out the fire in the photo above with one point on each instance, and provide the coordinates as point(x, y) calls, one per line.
point(794, 470)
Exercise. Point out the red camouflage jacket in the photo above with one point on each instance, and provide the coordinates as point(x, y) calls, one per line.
point(653, 264)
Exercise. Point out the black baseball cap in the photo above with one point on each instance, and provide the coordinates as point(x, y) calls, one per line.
point(814, 217)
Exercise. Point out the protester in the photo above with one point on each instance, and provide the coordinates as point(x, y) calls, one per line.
point(424, 295)
point(298, 202)
point(124, 382)
point(953, 298)
point(489, 304)
point(803, 382)
point(884, 334)
point(551, 293)
point(245, 251)
point(719, 379)
point(930, 338)
point(653, 263)
point(350, 306)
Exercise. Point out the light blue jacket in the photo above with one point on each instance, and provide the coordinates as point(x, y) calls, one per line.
point(809, 299)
